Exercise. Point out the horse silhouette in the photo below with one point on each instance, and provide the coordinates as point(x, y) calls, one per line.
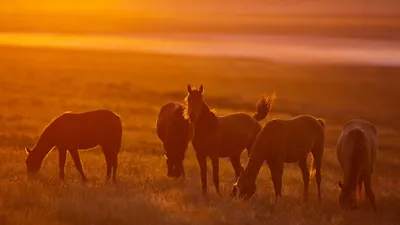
point(284, 141)
point(357, 151)
point(222, 136)
point(174, 130)
point(74, 131)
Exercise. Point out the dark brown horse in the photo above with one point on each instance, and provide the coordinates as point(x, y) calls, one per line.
point(222, 136)
point(174, 131)
point(356, 151)
point(74, 131)
point(280, 142)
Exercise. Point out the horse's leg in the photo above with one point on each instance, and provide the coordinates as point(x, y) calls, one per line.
point(114, 161)
point(78, 164)
point(203, 171)
point(318, 176)
point(306, 176)
point(250, 145)
point(183, 171)
point(235, 161)
point(108, 157)
point(368, 189)
point(276, 169)
point(215, 165)
point(109, 165)
point(62, 155)
point(359, 187)
point(318, 164)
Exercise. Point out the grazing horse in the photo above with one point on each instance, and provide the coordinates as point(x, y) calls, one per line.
point(284, 141)
point(74, 131)
point(222, 136)
point(356, 151)
point(174, 131)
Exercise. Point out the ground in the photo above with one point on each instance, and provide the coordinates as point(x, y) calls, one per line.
point(39, 84)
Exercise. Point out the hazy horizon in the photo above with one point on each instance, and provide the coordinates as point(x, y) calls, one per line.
point(271, 7)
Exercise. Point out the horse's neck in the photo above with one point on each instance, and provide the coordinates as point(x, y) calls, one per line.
point(253, 167)
point(44, 144)
point(207, 120)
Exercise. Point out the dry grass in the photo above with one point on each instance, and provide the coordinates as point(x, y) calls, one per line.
point(37, 85)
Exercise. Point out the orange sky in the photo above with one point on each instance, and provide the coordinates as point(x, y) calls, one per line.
point(225, 6)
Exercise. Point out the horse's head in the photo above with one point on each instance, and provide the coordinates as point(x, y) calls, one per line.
point(243, 190)
point(194, 103)
point(175, 165)
point(33, 163)
point(347, 198)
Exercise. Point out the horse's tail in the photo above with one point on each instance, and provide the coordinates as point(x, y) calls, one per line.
point(120, 135)
point(318, 146)
point(359, 148)
point(313, 168)
point(263, 106)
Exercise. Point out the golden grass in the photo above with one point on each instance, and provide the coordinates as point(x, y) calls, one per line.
point(39, 84)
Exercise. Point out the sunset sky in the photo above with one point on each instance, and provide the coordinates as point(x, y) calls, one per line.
point(207, 6)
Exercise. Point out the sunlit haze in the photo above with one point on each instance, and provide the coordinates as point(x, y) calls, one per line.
point(276, 7)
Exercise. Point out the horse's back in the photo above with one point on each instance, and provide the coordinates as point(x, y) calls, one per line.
point(357, 132)
point(165, 118)
point(305, 128)
point(366, 126)
point(291, 139)
point(301, 127)
point(237, 121)
point(88, 129)
point(91, 120)
point(238, 129)
point(171, 119)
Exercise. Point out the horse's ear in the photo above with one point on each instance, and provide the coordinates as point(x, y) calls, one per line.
point(340, 184)
point(27, 150)
point(201, 89)
point(189, 88)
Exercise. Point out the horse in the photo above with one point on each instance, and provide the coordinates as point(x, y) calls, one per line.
point(357, 149)
point(222, 136)
point(284, 141)
point(174, 130)
point(73, 131)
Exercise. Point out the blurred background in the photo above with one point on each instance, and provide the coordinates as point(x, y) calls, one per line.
point(290, 30)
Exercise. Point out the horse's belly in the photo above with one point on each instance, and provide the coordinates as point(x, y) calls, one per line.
point(87, 145)
point(228, 152)
point(291, 160)
point(295, 157)
point(225, 153)
point(79, 142)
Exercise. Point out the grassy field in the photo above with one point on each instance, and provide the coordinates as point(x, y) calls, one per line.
point(37, 85)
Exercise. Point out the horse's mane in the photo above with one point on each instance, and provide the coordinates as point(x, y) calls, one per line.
point(186, 112)
point(43, 144)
